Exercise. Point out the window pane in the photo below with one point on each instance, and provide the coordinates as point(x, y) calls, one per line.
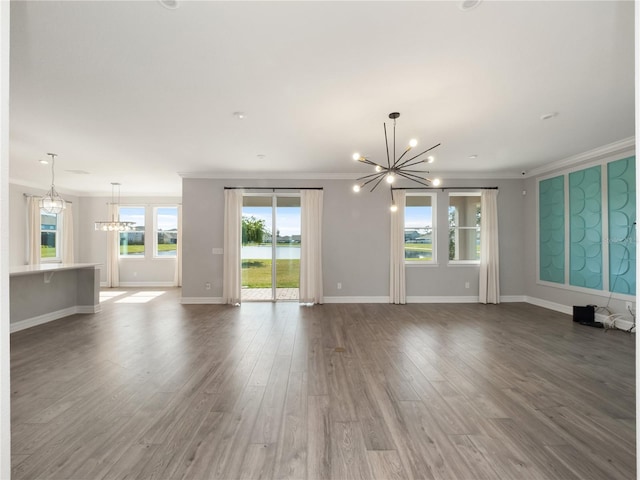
point(464, 211)
point(464, 243)
point(48, 235)
point(132, 242)
point(48, 245)
point(167, 231)
point(418, 228)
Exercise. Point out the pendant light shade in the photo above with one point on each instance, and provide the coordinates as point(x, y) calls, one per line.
point(52, 202)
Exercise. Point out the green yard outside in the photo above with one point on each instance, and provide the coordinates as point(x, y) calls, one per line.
point(256, 273)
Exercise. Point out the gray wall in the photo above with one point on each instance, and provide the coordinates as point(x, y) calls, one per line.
point(355, 240)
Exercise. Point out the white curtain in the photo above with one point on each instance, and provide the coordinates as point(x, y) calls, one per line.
point(177, 280)
point(231, 276)
point(311, 246)
point(489, 291)
point(397, 293)
point(33, 230)
point(67, 234)
point(113, 251)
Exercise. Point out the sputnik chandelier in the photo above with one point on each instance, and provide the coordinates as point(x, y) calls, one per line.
point(396, 168)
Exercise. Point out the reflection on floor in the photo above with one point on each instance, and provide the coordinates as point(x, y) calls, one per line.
point(264, 294)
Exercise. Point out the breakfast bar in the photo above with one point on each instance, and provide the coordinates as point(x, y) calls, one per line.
point(49, 291)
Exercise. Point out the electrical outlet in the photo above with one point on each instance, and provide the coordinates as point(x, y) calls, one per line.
point(339, 285)
point(207, 286)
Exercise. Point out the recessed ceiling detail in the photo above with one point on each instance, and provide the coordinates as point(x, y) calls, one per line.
point(469, 4)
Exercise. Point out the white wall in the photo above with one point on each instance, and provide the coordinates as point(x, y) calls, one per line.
point(5, 371)
point(147, 271)
point(355, 241)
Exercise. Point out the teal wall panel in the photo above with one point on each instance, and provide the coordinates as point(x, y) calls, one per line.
point(621, 194)
point(551, 228)
point(585, 228)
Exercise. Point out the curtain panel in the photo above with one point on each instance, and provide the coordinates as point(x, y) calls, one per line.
point(177, 280)
point(397, 293)
point(489, 285)
point(232, 273)
point(113, 251)
point(67, 234)
point(33, 230)
point(311, 206)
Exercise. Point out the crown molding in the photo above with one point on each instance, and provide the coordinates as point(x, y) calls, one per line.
point(38, 186)
point(625, 146)
point(270, 175)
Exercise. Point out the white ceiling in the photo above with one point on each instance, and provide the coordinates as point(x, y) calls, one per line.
point(134, 92)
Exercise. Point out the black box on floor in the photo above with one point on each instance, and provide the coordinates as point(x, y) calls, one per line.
point(586, 314)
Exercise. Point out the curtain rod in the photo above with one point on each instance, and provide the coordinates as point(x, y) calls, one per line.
point(28, 195)
point(444, 188)
point(274, 188)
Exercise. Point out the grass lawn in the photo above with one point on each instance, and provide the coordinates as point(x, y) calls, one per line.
point(47, 252)
point(256, 273)
point(139, 249)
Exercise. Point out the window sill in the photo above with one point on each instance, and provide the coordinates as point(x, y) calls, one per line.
point(463, 263)
point(421, 264)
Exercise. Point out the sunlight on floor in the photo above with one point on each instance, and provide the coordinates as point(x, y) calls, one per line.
point(141, 297)
point(106, 295)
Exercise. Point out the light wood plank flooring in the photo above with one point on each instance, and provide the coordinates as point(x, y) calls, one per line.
point(151, 389)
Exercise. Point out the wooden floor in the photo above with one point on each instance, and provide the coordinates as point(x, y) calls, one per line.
point(152, 389)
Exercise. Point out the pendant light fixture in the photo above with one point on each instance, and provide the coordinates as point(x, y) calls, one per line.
point(52, 202)
point(114, 224)
point(396, 167)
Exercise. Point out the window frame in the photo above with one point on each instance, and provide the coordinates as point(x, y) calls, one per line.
point(155, 232)
point(58, 256)
point(458, 228)
point(144, 242)
point(434, 229)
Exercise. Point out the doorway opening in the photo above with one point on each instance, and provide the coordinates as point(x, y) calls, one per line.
point(270, 252)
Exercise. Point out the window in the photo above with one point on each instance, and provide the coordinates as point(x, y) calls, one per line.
point(464, 227)
point(419, 231)
point(132, 242)
point(50, 237)
point(166, 234)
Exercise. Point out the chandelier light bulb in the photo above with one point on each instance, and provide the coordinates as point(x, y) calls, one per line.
point(378, 168)
point(356, 156)
point(436, 182)
point(390, 178)
point(430, 159)
point(394, 208)
point(356, 188)
point(413, 142)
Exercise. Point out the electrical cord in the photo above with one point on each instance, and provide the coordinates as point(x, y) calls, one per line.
point(619, 316)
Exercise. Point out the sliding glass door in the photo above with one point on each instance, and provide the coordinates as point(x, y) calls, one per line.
point(270, 247)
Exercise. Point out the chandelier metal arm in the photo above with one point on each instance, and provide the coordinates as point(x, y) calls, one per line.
point(416, 179)
point(382, 175)
point(416, 156)
point(413, 164)
point(386, 142)
point(369, 176)
point(375, 177)
point(395, 164)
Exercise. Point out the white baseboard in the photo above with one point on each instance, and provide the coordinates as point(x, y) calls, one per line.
point(146, 284)
point(202, 301)
point(435, 299)
point(558, 307)
point(512, 298)
point(51, 316)
point(356, 299)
